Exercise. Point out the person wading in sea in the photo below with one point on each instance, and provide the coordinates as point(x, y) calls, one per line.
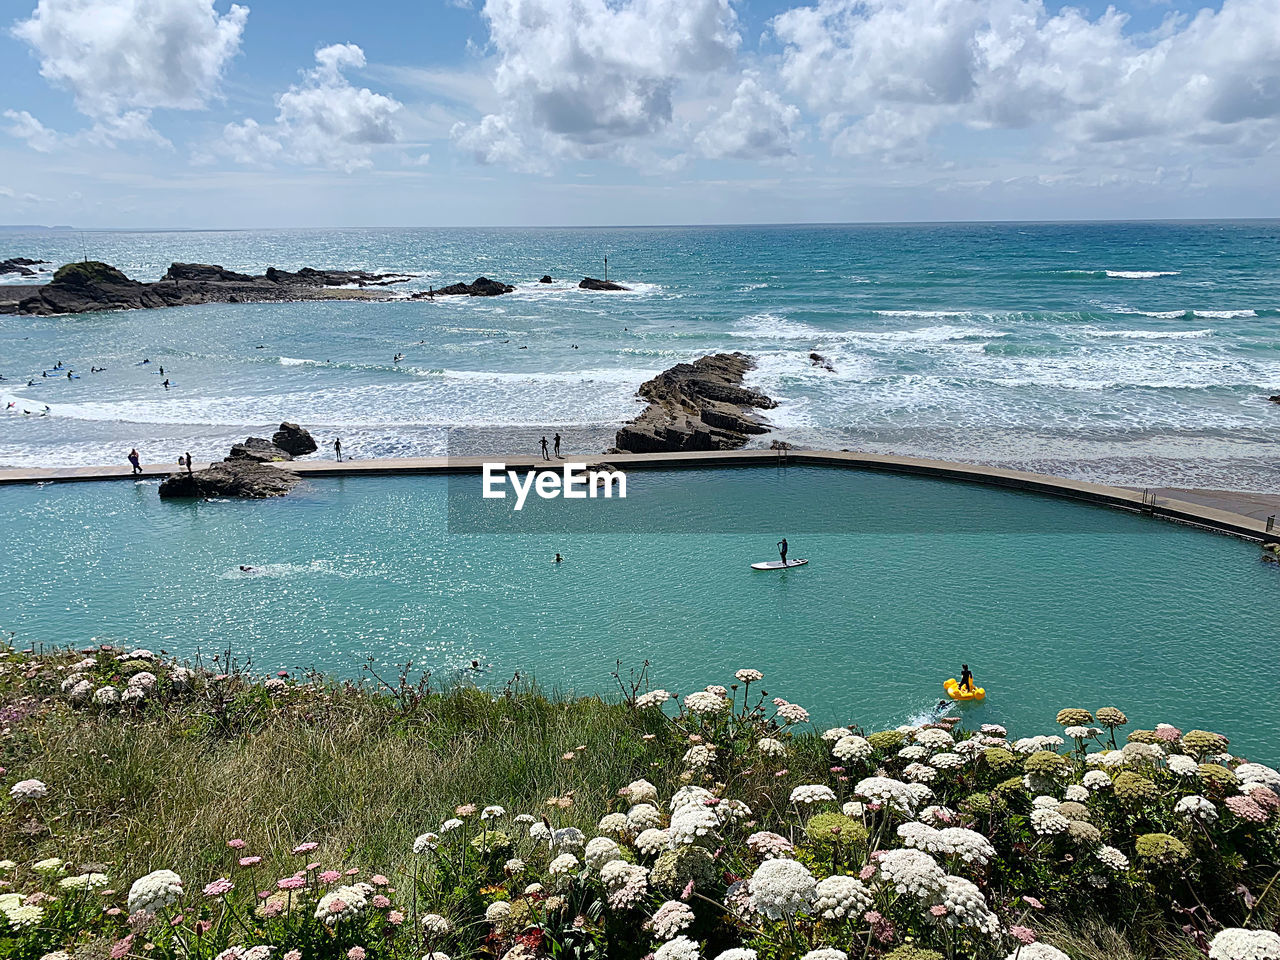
point(337, 448)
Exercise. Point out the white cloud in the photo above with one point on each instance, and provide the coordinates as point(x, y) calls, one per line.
point(583, 77)
point(887, 74)
point(757, 124)
point(28, 128)
point(323, 121)
point(121, 59)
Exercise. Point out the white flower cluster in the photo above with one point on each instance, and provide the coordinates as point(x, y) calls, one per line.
point(933, 738)
point(154, 892)
point(1037, 951)
point(766, 844)
point(654, 698)
point(700, 756)
point(627, 884)
point(643, 816)
point(691, 796)
point(434, 925)
point(616, 824)
point(946, 761)
point(1032, 744)
point(964, 906)
point(1257, 775)
point(492, 813)
point(969, 845)
point(29, 790)
point(808, 793)
point(568, 840)
point(652, 842)
point(1196, 807)
point(1081, 733)
point(1096, 780)
point(747, 675)
point(1047, 821)
point(903, 797)
point(836, 733)
point(562, 866)
point(1077, 793)
point(497, 911)
point(1182, 765)
point(791, 712)
point(107, 696)
point(850, 748)
point(911, 871)
point(840, 897)
point(681, 948)
point(641, 791)
point(703, 703)
point(919, 772)
point(343, 903)
point(691, 822)
point(1236, 943)
point(771, 747)
point(1112, 859)
point(781, 888)
point(600, 850)
point(670, 918)
point(915, 751)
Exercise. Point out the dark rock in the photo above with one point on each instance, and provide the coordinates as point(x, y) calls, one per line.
point(481, 287)
point(1275, 399)
point(19, 265)
point(819, 360)
point(591, 283)
point(780, 445)
point(545, 278)
point(244, 479)
point(90, 286)
point(697, 406)
point(294, 439)
point(256, 448)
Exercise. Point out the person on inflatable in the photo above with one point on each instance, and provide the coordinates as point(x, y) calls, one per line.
point(966, 678)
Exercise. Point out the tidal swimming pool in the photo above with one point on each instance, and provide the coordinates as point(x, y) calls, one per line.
point(1052, 603)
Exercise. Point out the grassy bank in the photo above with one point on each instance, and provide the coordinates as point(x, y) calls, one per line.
point(477, 822)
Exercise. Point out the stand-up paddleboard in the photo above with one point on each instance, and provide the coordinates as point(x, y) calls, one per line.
point(778, 565)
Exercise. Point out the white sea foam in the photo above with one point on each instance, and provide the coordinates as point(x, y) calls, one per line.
point(1141, 274)
point(747, 288)
point(768, 326)
point(1197, 314)
point(1148, 334)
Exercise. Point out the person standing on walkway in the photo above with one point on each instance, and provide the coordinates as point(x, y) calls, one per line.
point(337, 448)
point(188, 463)
point(136, 461)
point(545, 455)
point(557, 440)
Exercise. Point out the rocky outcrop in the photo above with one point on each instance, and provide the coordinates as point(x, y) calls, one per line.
point(19, 265)
point(818, 360)
point(697, 406)
point(90, 286)
point(480, 287)
point(545, 278)
point(241, 479)
point(1275, 399)
point(591, 283)
point(256, 448)
point(294, 439)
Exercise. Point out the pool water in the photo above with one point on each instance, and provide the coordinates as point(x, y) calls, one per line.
point(1051, 603)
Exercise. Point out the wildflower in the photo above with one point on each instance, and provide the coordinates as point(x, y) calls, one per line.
point(1074, 716)
point(771, 747)
point(652, 841)
point(435, 925)
point(380, 901)
point(563, 865)
point(453, 823)
point(291, 883)
point(670, 918)
point(749, 676)
point(835, 734)
point(700, 756)
point(969, 845)
point(887, 792)
point(681, 948)
point(85, 881)
point(1257, 774)
point(568, 839)
point(737, 953)
point(780, 888)
point(29, 790)
point(1246, 808)
point(1047, 821)
point(1236, 943)
point(342, 903)
point(330, 876)
point(1196, 808)
point(993, 729)
point(122, 947)
point(1112, 859)
point(305, 847)
point(426, 842)
point(766, 844)
point(292, 955)
point(1161, 848)
point(1038, 950)
point(395, 918)
point(1111, 717)
point(1132, 788)
point(841, 897)
point(497, 911)
point(919, 772)
point(705, 704)
point(626, 883)
point(963, 906)
point(355, 953)
point(654, 698)
point(1077, 793)
point(911, 871)
point(513, 867)
point(1023, 935)
point(599, 851)
point(1096, 780)
point(691, 822)
point(825, 953)
point(250, 861)
point(155, 891)
point(812, 793)
point(793, 713)
point(49, 868)
point(236, 844)
point(24, 916)
point(851, 748)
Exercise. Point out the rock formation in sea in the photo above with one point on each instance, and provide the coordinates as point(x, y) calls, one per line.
point(91, 285)
point(242, 479)
point(697, 406)
point(294, 439)
point(19, 265)
point(545, 278)
point(818, 360)
point(259, 449)
point(480, 287)
point(1275, 399)
point(591, 283)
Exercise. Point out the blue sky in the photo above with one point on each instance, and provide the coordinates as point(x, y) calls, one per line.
point(204, 113)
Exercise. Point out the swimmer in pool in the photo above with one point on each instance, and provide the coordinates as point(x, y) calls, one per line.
point(559, 559)
point(246, 569)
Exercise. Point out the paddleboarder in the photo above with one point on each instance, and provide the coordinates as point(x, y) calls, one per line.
point(782, 549)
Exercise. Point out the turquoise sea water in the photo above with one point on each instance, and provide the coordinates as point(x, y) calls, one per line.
point(1052, 603)
point(1132, 352)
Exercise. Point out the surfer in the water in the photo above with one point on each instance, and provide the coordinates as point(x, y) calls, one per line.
point(782, 549)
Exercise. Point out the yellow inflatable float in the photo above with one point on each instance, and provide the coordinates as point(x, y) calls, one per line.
point(955, 693)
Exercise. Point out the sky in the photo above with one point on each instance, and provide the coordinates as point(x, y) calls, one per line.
point(276, 113)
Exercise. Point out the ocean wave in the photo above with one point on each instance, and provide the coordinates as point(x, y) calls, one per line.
point(747, 288)
point(768, 326)
point(1148, 334)
point(1140, 274)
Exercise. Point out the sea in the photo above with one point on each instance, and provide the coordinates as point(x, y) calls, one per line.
point(1132, 353)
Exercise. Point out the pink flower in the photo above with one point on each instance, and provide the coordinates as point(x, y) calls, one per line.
point(837, 769)
point(688, 891)
point(236, 844)
point(114, 911)
point(337, 906)
point(465, 810)
point(313, 866)
point(1265, 797)
point(378, 880)
point(1023, 935)
point(1033, 902)
point(202, 927)
point(353, 872)
point(121, 948)
point(330, 876)
point(292, 955)
point(272, 908)
point(867, 872)
point(379, 902)
point(291, 883)
point(282, 673)
point(355, 953)
point(938, 910)
point(1246, 808)
point(305, 847)
point(218, 887)
point(395, 917)
point(250, 861)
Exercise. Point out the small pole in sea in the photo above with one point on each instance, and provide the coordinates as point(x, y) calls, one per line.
point(606, 269)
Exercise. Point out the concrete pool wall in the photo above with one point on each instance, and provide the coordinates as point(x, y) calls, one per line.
point(1205, 515)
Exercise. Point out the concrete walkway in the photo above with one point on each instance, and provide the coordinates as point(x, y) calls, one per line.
point(1239, 514)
